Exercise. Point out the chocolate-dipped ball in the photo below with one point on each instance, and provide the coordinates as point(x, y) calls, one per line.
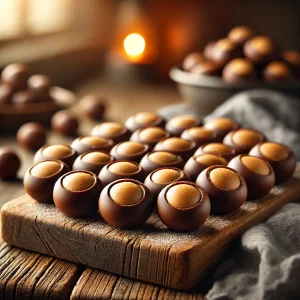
point(93, 106)
point(260, 49)
point(293, 59)
point(150, 136)
point(23, 97)
point(159, 159)
point(243, 139)
point(6, 93)
point(160, 178)
point(129, 150)
point(218, 149)
point(191, 60)
point(221, 126)
point(65, 123)
point(225, 187)
point(60, 152)
point(196, 164)
point(39, 84)
point(258, 174)
point(177, 125)
point(281, 158)
point(76, 193)
point(206, 67)
point(178, 146)
point(239, 70)
point(112, 130)
point(40, 179)
point(90, 143)
point(199, 135)
point(208, 50)
point(16, 75)
point(9, 163)
point(240, 34)
point(277, 71)
point(92, 161)
point(32, 136)
point(183, 206)
point(144, 120)
point(121, 169)
point(223, 51)
point(126, 203)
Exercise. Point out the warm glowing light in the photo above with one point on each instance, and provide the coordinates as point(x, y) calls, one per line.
point(134, 44)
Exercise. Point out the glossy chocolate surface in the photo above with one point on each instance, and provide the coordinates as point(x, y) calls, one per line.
point(218, 149)
point(144, 120)
point(192, 214)
point(40, 179)
point(16, 75)
point(161, 177)
point(281, 158)
point(119, 210)
point(76, 193)
point(277, 71)
point(6, 93)
point(158, 159)
point(177, 125)
point(199, 135)
point(32, 136)
point(150, 136)
point(9, 163)
point(93, 106)
point(221, 126)
point(121, 169)
point(225, 187)
point(60, 152)
point(65, 123)
point(257, 173)
point(40, 84)
point(112, 130)
point(90, 143)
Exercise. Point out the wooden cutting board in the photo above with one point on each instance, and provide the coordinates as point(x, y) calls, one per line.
point(152, 253)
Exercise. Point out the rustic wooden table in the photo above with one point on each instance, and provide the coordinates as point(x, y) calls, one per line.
point(26, 275)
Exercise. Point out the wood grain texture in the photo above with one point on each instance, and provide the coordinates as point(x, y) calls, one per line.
point(151, 253)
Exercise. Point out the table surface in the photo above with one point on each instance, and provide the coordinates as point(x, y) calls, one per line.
point(28, 275)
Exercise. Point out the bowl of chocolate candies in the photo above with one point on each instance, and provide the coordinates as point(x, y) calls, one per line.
point(241, 61)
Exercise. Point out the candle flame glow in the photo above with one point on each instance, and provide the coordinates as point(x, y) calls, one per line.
point(134, 45)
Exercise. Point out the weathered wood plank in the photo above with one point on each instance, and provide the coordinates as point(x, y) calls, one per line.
point(151, 253)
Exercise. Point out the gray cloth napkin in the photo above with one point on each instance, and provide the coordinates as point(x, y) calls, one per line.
point(267, 263)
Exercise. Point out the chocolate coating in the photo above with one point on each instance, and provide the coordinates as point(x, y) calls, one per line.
point(92, 161)
point(32, 136)
point(112, 130)
point(178, 146)
point(159, 159)
point(281, 158)
point(223, 51)
point(199, 135)
point(221, 126)
point(196, 164)
point(207, 51)
point(225, 187)
point(258, 174)
point(9, 163)
point(243, 139)
point(240, 34)
point(121, 169)
point(60, 152)
point(185, 218)
point(125, 215)
point(177, 125)
point(6, 93)
point(40, 179)
point(40, 85)
point(76, 193)
point(150, 136)
point(238, 70)
point(191, 60)
point(293, 59)
point(144, 120)
point(206, 67)
point(218, 149)
point(16, 75)
point(128, 150)
point(65, 123)
point(90, 143)
point(260, 49)
point(161, 177)
point(23, 97)
point(93, 106)
point(277, 71)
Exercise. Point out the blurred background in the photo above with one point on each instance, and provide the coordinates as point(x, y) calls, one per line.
point(73, 40)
